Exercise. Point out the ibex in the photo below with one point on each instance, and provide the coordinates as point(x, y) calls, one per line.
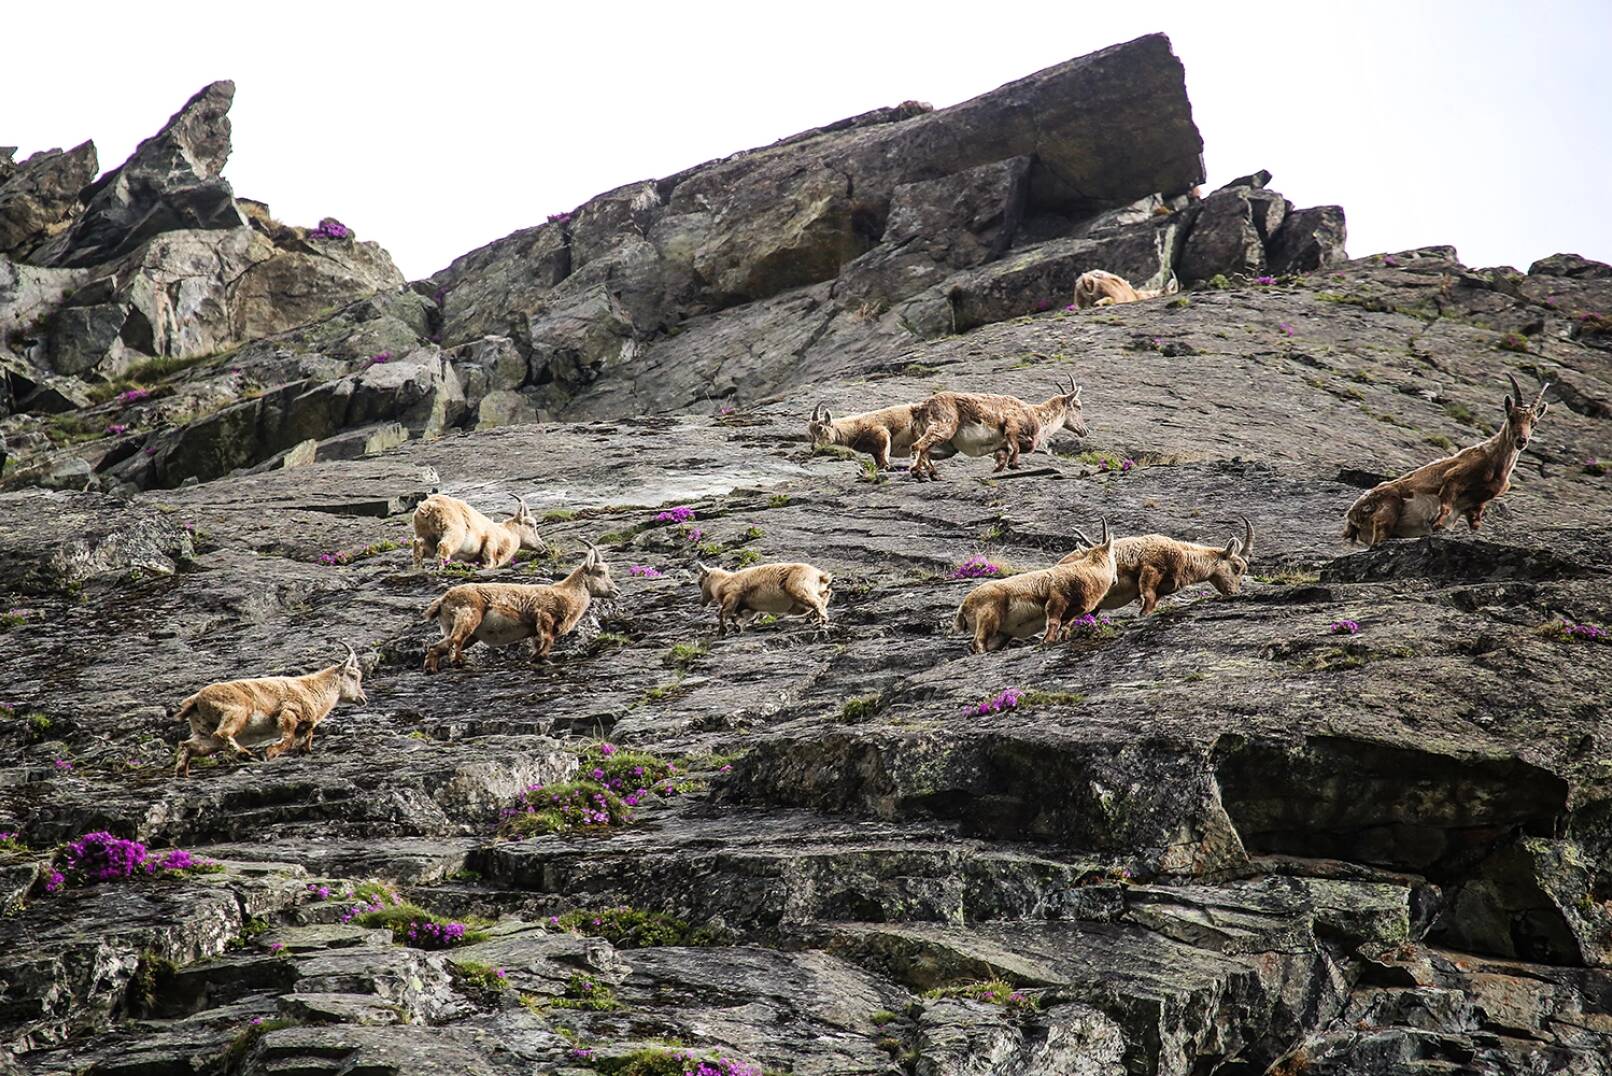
point(1024, 605)
point(782, 589)
point(1418, 503)
point(266, 709)
point(502, 613)
point(978, 424)
point(1153, 566)
point(887, 432)
point(1099, 288)
point(452, 530)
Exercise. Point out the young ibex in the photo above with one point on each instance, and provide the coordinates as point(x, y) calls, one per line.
point(266, 709)
point(502, 613)
point(1418, 503)
point(1153, 566)
point(1099, 288)
point(1023, 605)
point(978, 424)
point(887, 432)
point(452, 530)
point(781, 589)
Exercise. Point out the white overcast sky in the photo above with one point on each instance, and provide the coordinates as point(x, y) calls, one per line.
point(436, 128)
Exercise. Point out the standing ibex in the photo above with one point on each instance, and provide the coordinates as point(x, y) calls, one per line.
point(452, 530)
point(265, 709)
point(1099, 288)
point(887, 432)
point(783, 589)
point(979, 424)
point(1023, 605)
point(1418, 503)
point(1153, 566)
point(502, 613)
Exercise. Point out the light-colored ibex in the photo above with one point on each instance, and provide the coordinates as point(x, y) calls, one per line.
point(1153, 566)
point(502, 613)
point(887, 432)
point(1031, 603)
point(781, 589)
point(450, 529)
point(271, 710)
point(980, 424)
point(1099, 288)
point(1416, 504)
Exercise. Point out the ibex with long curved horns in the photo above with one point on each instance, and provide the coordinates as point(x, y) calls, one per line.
point(452, 530)
point(981, 424)
point(1153, 566)
point(1418, 503)
point(272, 710)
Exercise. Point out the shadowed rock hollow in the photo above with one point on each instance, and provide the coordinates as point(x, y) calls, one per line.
point(1224, 838)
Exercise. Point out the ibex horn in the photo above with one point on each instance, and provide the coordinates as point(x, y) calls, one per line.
point(352, 658)
point(1105, 532)
point(520, 501)
point(1543, 385)
point(1516, 390)
point(1248, 542)
point(1082, 536)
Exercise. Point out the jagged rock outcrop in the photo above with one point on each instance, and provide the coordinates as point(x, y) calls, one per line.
point(41, 195)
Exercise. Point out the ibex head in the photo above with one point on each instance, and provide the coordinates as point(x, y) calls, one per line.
point(1065, 408)
point(821, 427)
point(1232, 562)
point(524, 525)
point(351, 685)
point(1521, 419)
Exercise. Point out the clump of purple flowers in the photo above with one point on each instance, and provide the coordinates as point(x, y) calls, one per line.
point(1007, 700)
point(1568, 631)
point(321, 892)
point(331, 228)
point(1285, 328)
point(379, 359)
point(1117, 466)
point(976, 567)
point(644, 571)
point(424, 934)
point(582, 1053)
point(64, 764)
point(681, 514)
point(559, 218)
point(1345, 627)
point(129, 396)
point(117, 429)
point(1092, 625)
point(100, 857)
point(1391, 261)
point(1265, 281)
point(693, 534)
point(726, 409)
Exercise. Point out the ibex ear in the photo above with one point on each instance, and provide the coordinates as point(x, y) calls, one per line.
point(1233, 547)
point(828, 416)
point(1539, 412)
point(703, 570)
point(1511, 407)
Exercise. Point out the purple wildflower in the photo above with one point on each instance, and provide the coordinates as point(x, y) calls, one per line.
point(1092, 624)
point(1590, 633)
point(275, 947)
point(727, 768)
point(131, 396)
point(1345, 627)
point(976, 567)
point(1266, 281)
point(117, 429)
point(559, 218)
point(380, 358)
point(644, 571)
point(1286, 328)
point(1391, 261)
point(694, 534)
point(607, 749)
point(256, 1020)
point(64, 764)
point(331, 228)
point(1007, 700)
point(681, 514)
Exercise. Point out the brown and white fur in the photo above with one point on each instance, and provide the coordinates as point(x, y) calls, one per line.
point(502, 613)
point(1153, 566)
point(890, 431)
point(1420, 502)
point(270, 710)
point(1099, 288)
point(781, 589)
point(450, 529)
point(979, 424)
point(1021, 606)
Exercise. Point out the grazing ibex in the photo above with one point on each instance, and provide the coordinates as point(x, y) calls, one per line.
point(1024, 605)
point(1098, 288)
point(502, 613)
point(1153, 566)
point(269, 710)
point(1416, 504)
point(781, 589)
point(887, 432)
point(979, 424)
point(450, 529)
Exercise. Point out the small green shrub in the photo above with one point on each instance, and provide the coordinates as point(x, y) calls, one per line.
point(1513, 342)
point(630, 928)
point(682, 655)
point(747, 557)
point(586, 992)
point(778, 500)
point(1438, 440)
point(992, 992)
point(558, 515)
point(838, 452)
point(861, 708)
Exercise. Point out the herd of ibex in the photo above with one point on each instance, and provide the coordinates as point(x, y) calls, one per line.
point(282, 712)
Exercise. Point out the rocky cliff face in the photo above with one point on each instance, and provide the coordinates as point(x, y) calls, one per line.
point(1231, 837)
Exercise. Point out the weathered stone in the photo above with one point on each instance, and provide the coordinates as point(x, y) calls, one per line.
point(1309, 239)
point(1224, 238)
point(39, 197)
point(1572, 266)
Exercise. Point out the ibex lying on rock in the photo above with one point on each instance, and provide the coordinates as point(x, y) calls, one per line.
point(1024, 605)
point(266, 709)
point(781, 589)
point(502, 613)
point(887, 432)
point(1152, 566)
point(450, 529)
point(1418, 503)
point(1099, 288)
point(979, 424)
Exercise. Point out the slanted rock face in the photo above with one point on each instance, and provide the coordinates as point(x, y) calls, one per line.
point(41, 195)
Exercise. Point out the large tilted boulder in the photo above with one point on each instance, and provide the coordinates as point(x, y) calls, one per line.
point(38, 199)
point(1309, 239)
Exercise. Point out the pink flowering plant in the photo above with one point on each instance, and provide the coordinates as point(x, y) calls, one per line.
point(129, 396)
point(644, 571)
point(11, 842)
point(1344, 627)
point(375, 905)
point(681, 514)
point(99, 857)
point(976, 567)
point(1565, 631)
point(611, 782)
point(331, 228)
point(1089, 626)
point(1007, 700)
point(992, 992)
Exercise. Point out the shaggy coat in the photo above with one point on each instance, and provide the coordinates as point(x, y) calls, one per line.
point(979, 424)
point(502, 613)
point(1098, 288)
point(887, 432)
point(780, 589)
point(450, 529)
point(271, 710)
point(1420, 502)
point(1038, 602)
point(1153, 566)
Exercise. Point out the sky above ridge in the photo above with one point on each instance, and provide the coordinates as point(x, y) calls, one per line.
point(434, 130)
